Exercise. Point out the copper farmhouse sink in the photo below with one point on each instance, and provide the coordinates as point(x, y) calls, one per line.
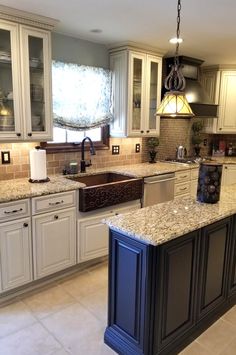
point(107, 189)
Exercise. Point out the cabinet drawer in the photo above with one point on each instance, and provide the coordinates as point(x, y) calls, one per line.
point(182, 176)
point(182, 189)
point(14, 209)
point(194, 174)
point(53, 202)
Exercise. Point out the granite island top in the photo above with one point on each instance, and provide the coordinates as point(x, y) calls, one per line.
point(16, 189)
point(166, 221)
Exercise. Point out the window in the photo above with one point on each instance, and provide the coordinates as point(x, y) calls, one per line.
point(81, 106)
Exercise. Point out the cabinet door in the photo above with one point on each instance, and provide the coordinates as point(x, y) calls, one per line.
point(36, 83)
point(54, 236)
point(136, 94)
point(227, 105)
point(232, 264)
point(92, 238)
point(10, 93)
point(213, 264)
point(153, 95)
point(176, 289)
point(16, 256)
point(229, 175)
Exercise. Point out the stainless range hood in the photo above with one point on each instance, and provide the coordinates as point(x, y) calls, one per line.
point(200, 103)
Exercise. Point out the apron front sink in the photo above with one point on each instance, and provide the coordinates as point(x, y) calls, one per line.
point(107, 189)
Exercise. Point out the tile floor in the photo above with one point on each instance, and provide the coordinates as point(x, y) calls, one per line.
point(69, 317)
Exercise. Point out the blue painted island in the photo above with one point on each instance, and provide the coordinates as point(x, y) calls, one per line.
point(172, 272)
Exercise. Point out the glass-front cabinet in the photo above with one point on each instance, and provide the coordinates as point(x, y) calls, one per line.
point(25, 83)
point(137, 93)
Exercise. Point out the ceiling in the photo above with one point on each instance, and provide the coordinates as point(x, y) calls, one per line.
point(208, 27)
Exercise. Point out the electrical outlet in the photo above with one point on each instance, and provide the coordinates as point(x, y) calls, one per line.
point(137, 148)
point(6, 159)
point(115, 149)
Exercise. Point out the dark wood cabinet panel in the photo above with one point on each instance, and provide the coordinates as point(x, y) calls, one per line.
point(178, 263)
point(128, 293)
point(213, 267)
point(161, 297)
point(232, 264)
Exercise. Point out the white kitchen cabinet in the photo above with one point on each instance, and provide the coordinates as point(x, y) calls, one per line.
point(229, 174)
point(54, 241)
point(194, 181)
point(136, 92)
point(220, 85)
point(93, 234)
point(25, 79)
point(16, 254)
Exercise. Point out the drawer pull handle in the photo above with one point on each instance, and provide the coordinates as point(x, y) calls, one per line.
point(25, 225)
point(13, 211)
point(183, 188)
point(184, 176)
point(56, 217)
point(55, 203)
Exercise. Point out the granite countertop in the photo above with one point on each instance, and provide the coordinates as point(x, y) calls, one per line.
point(17, 189)
point(166, 221)
point(225, 160)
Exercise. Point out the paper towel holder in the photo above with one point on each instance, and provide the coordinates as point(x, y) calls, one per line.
point(39, 180)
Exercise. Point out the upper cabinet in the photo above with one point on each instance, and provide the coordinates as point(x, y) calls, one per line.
point(136, 92)
point(25, 78)
point(220, 84)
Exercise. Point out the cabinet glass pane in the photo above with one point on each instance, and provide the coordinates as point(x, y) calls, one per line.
point(36, 67)
point(153, 95)
point(137, 89)
point(7, 119)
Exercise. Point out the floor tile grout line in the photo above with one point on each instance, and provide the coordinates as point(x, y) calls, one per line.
point(19, 330)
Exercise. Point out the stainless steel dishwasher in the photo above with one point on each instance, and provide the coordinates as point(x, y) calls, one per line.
point(159, 188)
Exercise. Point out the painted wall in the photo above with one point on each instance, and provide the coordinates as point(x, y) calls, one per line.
point(75, 50)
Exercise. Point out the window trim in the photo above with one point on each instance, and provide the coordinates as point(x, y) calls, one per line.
point(76, 147)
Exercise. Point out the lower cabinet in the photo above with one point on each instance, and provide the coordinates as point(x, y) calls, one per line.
point(54, 241)
point(212, 287)
point(232, 265)
point(16, 254)
point(178, 262)
point(160, 297)
point(229, 174)
point(93, 233)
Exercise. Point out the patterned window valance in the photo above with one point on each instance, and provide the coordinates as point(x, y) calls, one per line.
point(81, 96)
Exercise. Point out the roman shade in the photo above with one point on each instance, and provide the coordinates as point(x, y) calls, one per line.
point(81, 96)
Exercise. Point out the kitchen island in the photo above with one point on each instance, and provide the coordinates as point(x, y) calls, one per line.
point(172, 272)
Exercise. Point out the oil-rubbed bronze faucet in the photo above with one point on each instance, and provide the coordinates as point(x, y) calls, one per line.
point(92, 151)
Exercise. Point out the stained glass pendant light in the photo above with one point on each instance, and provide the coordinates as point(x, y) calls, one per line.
point(174, 103)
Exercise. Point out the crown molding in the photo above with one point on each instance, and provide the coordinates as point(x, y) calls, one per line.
point(27, 18)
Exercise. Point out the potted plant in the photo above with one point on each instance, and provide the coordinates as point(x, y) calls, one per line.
point(152, 144)
point(197, 136)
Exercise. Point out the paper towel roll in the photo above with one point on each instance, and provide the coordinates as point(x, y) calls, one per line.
point(38, 169)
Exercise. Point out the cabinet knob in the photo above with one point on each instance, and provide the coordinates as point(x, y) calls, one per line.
point(220, 129)
point(56, 216)
point(25, 225)
point(148, 131)
point(30, 134)
point(226, 167)
point(141, 131)
point(18, 134)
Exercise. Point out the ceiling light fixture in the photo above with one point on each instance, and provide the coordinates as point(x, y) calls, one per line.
point(174, 103)
point(175, 40)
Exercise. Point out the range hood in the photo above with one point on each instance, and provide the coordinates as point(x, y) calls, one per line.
point(198, 99)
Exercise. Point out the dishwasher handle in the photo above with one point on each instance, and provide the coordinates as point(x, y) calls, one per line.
point(157, 181)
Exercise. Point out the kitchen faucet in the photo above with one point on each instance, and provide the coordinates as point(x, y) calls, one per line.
point(92, 151)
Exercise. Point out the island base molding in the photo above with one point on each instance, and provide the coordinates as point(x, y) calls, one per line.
point(162, 297)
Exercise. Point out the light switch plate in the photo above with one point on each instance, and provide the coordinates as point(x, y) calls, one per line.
point(6, 159)
point(137, 148)
point(115, 149)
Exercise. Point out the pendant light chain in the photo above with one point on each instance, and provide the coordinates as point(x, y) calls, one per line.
point(178, 28)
